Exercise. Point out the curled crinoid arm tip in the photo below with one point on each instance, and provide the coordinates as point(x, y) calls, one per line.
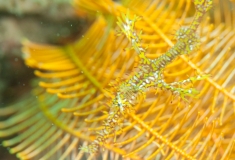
point(183, 92)
point(199, 78)
point(191, 80)
point(203, 5)
point(84, 149)
point(127, 25)
point(92, 148)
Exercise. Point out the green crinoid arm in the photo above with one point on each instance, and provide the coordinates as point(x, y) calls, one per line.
point(187, 39)
point(149, 73)
point(127, 28)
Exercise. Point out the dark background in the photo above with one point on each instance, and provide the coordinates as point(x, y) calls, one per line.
point(43, 21)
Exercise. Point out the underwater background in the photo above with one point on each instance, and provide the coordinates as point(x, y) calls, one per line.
point(42, 21)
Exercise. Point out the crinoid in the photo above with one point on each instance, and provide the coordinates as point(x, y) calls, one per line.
point(130, 89)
